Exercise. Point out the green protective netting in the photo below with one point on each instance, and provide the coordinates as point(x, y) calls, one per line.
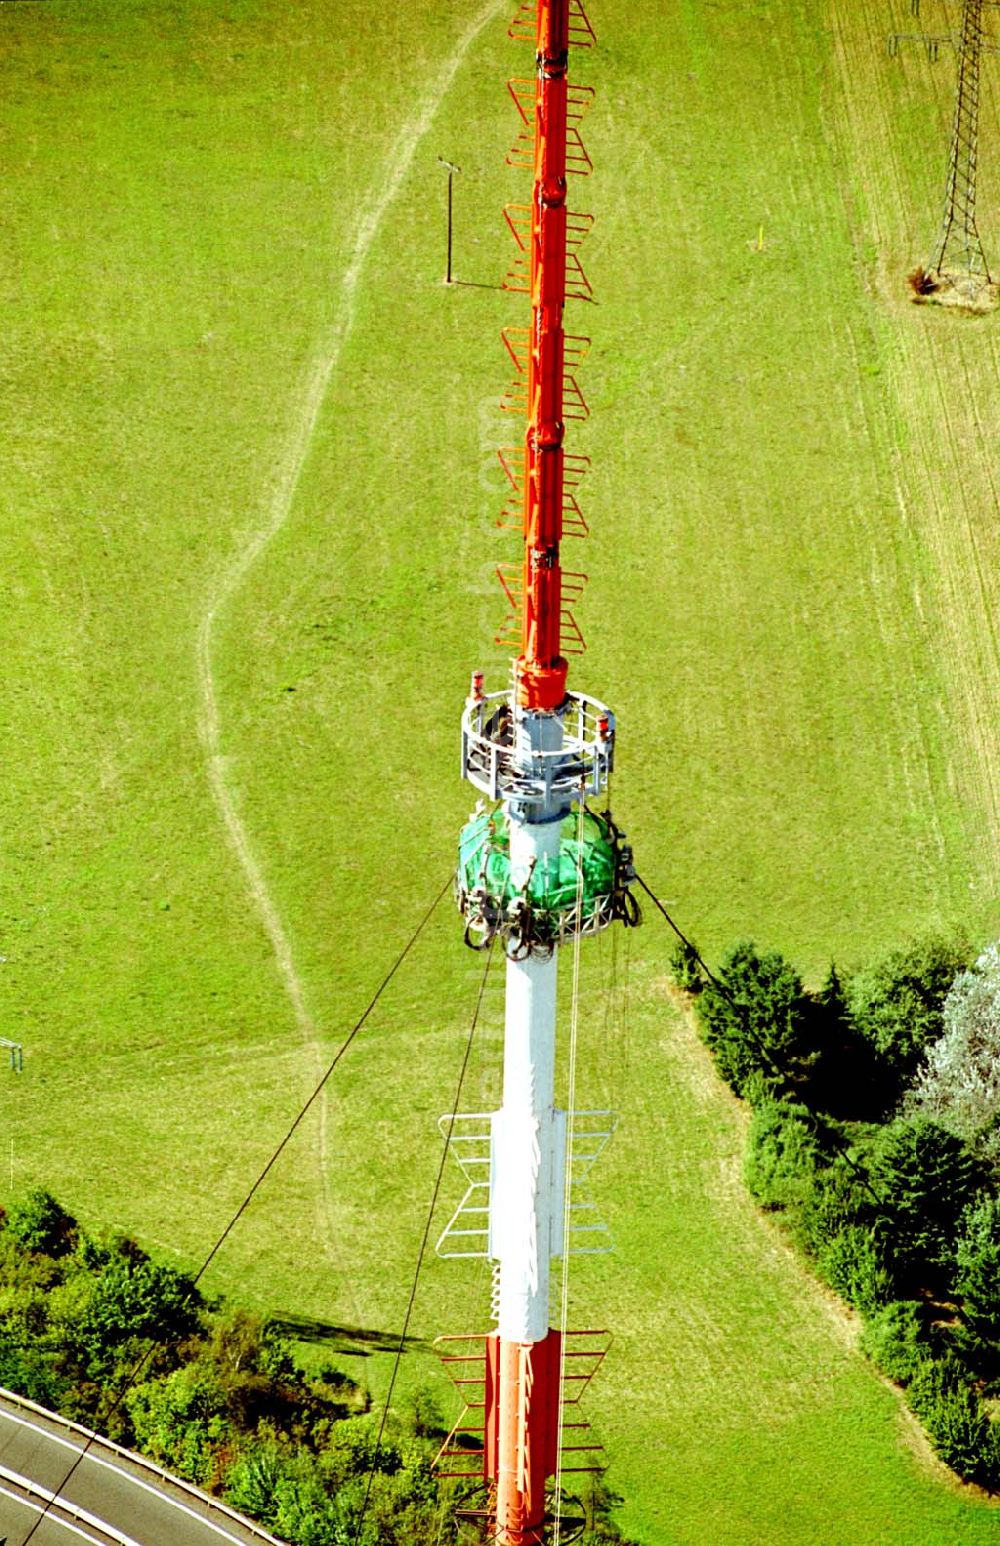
point(484, 862)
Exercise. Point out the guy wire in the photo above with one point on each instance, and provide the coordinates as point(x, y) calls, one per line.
point(574, 1023)
point(764, 1053)
point(143, 1361)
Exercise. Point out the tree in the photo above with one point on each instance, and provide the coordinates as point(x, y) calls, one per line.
point(897, 1002)
point(924, 1177)
point(221, 1399)
point(38, 1223)
point(977, 1285)
point(133, 1297)
point(759, 1020)
point(849, 1080)
point(950, 1409)
point(25, 1369)
point(958, 1084)
point(180, 1421)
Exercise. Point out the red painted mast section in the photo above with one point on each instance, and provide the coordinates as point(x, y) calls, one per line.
point(541, 667)
point(522, 1386)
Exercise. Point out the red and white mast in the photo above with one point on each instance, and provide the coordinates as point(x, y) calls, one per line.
point(543, 872)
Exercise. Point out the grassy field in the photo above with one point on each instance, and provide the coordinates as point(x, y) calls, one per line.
point(248, 504)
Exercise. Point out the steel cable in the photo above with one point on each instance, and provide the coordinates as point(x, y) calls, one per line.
point(574, 1025)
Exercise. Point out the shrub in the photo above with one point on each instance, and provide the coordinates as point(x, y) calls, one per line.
point(897, 1002)
point(684, 969)
point(988, 1470)
point(252, 1480)
point(854, 1263)
point(922, 282)
point(951, 1411)
point(38, 1223)
point(759, 1021)
point(895, 1338)
point(782, 1154)
point(286, 1492)
point(840, 1198)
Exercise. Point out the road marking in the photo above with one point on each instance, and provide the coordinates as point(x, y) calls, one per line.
point(119, 1471)
point(37, 1508)
point(35, 1490)
point(289, 472)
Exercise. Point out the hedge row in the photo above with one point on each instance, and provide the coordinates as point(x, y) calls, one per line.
point(897, 1211)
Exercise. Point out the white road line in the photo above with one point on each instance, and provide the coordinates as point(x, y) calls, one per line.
point(35, 1490)
point(11, 1404)
point(64, 1524)
point(289, 472)
point(120, 1471)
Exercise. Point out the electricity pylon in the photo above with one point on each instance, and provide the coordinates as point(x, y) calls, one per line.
point(958, 261)
point(959, 250)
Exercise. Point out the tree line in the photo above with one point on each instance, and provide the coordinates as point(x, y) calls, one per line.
point(875, 1135)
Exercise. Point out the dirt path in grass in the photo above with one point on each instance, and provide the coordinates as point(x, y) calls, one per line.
point(277, 508)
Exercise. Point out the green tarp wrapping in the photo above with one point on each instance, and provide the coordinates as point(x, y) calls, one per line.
point(484, 863)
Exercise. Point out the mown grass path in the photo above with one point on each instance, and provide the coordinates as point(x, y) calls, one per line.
point(286, 481)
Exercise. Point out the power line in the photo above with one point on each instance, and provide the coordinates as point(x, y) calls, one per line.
point(146, 1357)
point(423, 1243)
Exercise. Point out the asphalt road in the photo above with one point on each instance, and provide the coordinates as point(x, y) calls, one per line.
point(109, 1501)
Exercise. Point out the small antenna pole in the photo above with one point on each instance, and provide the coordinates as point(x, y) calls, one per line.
point(451, 169)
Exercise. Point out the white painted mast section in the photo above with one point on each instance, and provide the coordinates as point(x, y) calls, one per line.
point(528, 1149)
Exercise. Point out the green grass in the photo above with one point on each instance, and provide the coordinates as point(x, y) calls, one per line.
point(786, 610)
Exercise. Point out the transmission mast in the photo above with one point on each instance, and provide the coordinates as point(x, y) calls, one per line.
point(537, 871)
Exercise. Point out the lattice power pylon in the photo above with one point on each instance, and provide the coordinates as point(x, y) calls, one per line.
point(958, 261)
point(959, 250)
